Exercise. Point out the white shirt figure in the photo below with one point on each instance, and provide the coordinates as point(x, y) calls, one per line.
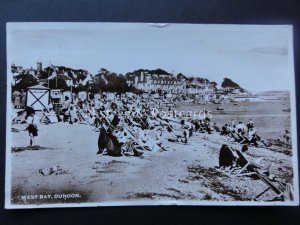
point(241, 126)
point(252, 132)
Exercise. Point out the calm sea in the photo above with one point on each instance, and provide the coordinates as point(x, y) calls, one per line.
point(268, 116)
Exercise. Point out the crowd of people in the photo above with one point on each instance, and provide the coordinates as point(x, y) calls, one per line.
point(129, 125)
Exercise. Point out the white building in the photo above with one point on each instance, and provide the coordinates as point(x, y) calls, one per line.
point(205, 91)
point(154, 82)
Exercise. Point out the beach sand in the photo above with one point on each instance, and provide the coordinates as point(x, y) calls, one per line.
point(182, 172)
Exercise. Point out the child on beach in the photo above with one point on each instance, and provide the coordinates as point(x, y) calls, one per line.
point(32, 121)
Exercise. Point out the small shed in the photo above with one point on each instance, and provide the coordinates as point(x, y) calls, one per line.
point(38, 97)
point(56, 95)
point(56, 99)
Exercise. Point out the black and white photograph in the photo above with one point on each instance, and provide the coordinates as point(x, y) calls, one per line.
point(117, 114)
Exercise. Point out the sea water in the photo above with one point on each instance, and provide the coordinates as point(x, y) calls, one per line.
point(270, 115)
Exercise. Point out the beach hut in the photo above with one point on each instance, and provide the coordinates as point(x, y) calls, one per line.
point(56, 99)
point(38, 97)
point(56, 95)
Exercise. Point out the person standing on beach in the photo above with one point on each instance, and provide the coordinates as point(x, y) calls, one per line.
point(23, 99)
point(250, 125)
point(17, 96)
point(184, 131)
point(66, 109)
point(32, 122)
point(231, 124)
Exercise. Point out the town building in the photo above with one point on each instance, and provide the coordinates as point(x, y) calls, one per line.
point(204, 91)
point(154, 83)
point(61, 75)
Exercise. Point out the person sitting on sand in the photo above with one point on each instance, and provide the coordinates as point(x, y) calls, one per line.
point(216, 128)
point(235, 135)
point(253, 137)
point(241, 128)
point(227, 157)
point(207, 126)
point(196, 124)
point(225, 130)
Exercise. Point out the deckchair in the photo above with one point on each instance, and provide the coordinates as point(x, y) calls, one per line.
point(246, 167)
point(276, 186)
point(136, 141)
point(129, 131)
point(235, 136)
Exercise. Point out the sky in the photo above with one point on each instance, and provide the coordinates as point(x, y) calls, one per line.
point(259, 58)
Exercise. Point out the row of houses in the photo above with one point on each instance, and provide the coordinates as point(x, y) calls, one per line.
point(153, 82)
point(71, 78)
point(169, 84)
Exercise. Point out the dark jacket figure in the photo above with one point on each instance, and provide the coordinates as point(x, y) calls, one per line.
point(191, 131)
point(197, 125)
point(225, 130)
point(115, 121)
point(109, 142)
point(226, 157)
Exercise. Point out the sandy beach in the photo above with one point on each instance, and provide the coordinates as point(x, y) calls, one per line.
point(182, 172)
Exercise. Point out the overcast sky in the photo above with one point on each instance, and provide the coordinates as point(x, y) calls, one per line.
point(257, 57)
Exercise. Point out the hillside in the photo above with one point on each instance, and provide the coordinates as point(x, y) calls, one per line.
point(228, 83)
